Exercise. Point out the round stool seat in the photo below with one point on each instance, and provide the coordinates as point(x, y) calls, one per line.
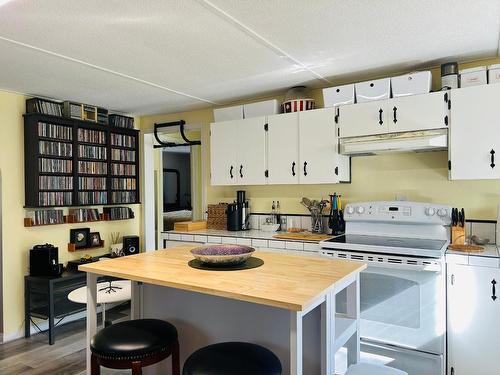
point(370, 369)
point(232, 358)
point(133, 339)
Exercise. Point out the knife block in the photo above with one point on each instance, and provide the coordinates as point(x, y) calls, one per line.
point(457, 235)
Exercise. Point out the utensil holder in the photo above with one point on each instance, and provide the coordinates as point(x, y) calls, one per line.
point(316, 222)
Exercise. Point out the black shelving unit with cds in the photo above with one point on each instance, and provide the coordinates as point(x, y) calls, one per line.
point(70, 162)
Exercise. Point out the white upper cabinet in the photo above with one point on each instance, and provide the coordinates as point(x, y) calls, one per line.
point(473, 319)
point(250, 143)
point(361, 119)
point(403, 114)
point(283, 148)
point(223, 153)
point(319, 159)
point(418, 112)
point(474, 149)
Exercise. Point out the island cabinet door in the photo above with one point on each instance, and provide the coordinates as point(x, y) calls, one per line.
point(250, 143)
point(361, 119)
point(473, 320)
point(283, 148)
point(474, 147)
point(320, 162)
point(223, 159)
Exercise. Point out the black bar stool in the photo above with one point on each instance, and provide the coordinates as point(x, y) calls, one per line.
point(135, 344)
point(232, 358)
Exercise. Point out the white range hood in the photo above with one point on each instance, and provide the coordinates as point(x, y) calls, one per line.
point(429, 140)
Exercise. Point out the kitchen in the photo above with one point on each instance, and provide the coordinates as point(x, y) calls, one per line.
point(308, 119)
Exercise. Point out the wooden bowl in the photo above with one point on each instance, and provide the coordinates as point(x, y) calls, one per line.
point(225, 254)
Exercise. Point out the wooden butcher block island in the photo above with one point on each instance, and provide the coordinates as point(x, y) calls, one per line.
point(294, 283)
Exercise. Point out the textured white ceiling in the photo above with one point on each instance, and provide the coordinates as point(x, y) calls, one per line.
point(161, 56)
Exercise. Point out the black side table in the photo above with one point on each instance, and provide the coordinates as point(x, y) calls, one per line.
point(47, 298)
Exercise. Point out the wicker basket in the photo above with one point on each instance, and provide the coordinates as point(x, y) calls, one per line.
point(217, 216)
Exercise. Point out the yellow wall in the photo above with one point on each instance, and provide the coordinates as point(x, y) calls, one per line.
point(418, 176)
point(17, 239)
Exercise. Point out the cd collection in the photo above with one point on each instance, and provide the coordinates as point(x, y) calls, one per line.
point(92, 167)
point(46, 217)
point(36, 105)
point(92, 183)
point(85, 214)
point(55, 183)
point(92, 152)
point(122, 155)
point(123, 196)
point(55, 165)
point(121, 121)
point(91, 136)
point(55, 131)
point(55, 198)
point(123, 183)
point(119, 213)
point(92, 197)
point(55, 148)
point(122, 140)
point(123, 169)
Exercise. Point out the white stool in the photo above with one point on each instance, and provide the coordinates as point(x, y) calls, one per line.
point(107, 292)
point(370, 369)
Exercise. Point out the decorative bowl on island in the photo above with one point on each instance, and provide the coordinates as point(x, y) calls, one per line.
point(222, 255)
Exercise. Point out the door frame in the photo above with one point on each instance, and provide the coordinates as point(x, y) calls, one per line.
point(152, 218)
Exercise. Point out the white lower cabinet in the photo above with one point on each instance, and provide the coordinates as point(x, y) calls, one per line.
point(473, 320)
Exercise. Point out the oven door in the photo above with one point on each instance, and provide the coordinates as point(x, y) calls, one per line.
point(402, 301)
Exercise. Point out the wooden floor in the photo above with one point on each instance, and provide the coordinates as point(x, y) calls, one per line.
point(35, 356)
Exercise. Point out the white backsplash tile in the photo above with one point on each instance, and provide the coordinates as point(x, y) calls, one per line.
point(484, 231)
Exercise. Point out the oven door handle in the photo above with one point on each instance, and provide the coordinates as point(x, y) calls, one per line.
point(406, 267)
point(394, 348)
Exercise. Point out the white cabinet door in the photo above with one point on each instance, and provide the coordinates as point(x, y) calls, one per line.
point(474, 146)
point(473, 320)
point(319, 159)
point(283, 148)
point(418, 112)
point(250, 142)
point(360, 119)
point(223, 136)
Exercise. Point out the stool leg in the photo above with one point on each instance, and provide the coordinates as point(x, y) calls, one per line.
point(176, 367)
point(136, 368)
point(95, 368)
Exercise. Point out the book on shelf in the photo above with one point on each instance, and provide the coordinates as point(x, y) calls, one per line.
point(51, 148)
point(118, 213)
point(122, 140)
point(91, 136)
point(123, 183)
point(55, 182)
point(122, 169)
point(92, 197)
point(55, 198)
point(92, 183)
point(121, 121)
point(44, 106)
point(46, 217)
point(81, 215)
point(122, 155)
point(92, 152)
point(47, 165)
point(123, 197)
point(93, 167)
point(59, 132)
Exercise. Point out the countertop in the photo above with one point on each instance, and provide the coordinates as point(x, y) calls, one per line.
point(252, 233)
point(291, 282)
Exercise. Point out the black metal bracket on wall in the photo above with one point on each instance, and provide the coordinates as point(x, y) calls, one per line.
point(180, 124)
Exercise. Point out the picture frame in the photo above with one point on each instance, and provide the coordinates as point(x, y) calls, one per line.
point(79, 237)
point(94, 239)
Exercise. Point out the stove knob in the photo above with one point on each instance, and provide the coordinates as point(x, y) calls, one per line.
point(443, 212)
point(350, 210)
point(360, 210)
point(430, 211)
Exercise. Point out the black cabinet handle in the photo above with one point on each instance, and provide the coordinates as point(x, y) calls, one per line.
point(380, 121)
point(293, 168)
point(231, 171)
point(395, 113)
point(493, 290)
point(305, 168)
point(492, 152)
point(241, 171)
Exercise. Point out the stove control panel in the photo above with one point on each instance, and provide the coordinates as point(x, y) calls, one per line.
point(399, 211)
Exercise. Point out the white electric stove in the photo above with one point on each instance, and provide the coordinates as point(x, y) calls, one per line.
point(402, 292)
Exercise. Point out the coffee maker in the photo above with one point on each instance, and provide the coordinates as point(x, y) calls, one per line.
point(238, 213)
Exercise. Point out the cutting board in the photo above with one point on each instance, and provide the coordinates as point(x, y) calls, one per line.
point(188, 226)
point(466, 248)
point(304, 236)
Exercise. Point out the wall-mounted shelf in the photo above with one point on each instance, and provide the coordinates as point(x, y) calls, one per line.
point(110, 214)
point(72, 247)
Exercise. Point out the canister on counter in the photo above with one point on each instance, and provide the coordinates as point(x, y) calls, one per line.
point(449, 76)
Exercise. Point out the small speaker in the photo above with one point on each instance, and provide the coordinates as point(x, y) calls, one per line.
point(130, 245)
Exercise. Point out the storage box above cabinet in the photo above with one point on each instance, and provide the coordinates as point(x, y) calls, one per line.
point(339, 95)
point(378, 89)
point(228, 113)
